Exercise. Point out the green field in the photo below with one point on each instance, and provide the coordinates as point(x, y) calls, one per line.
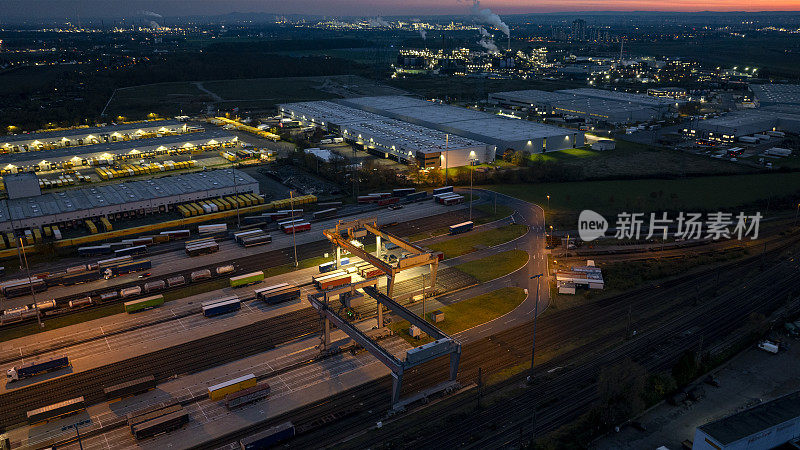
point(687, 194)
point(467, 244)
point(468, 313)
point(495, 266)
point(275, 90)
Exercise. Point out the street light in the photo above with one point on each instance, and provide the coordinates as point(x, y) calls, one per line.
point(548, 202)
point(471, 169)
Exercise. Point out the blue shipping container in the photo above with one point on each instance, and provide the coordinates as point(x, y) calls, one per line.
point(269, 437)
point(327, 267)
point(217, 308)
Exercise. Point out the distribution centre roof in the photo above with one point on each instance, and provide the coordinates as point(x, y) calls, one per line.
point(48, 136)
point(776, 93)
point(751, 421)
point(116, 194)
point(63, 153)
point(638, 99)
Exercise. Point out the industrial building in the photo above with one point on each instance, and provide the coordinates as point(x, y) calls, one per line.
point(389, 137)
point(46, 140)
point(501, 132)
point(109, 152)
point(776, 94)
point(591, 105)
point(733, 126)
point(767, 425)
point(30, 209)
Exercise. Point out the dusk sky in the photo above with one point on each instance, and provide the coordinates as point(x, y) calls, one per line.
point(118, 8)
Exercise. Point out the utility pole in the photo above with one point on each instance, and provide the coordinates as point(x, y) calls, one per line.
point(470, 188)
point(294, 241)
point(446, 144)
point(533, 350)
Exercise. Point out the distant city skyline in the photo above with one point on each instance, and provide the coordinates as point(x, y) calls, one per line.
point(69, 10)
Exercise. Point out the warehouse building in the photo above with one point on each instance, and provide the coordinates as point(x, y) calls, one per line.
point(391, 138)
point(767, 425)
point(776, 94)
point(591, 105)
point(501, 132)
point(46, 140)
point(109, 152)
point(733, 126)
point(118, 201)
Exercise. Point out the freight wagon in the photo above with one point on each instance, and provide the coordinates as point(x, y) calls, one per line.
point(462, 227)
point(176, 281)
point(122, 269)
point(268, 437)
point(285, 223)
point(247, 279)
point(202, 248)
point(297, 228)
point(80, 302)
point(78, 278)
point(106, 296)
point(246, 396)
point(333, 281)
point(327, 267)
point(94, 250)
point(46, 305)
point(152, 412)
point(416, 196)
point(442, 190)
point(388, 201)
point(130, 388)
point(103, 263)
point(212, 228)
point(200, 274)
point(133, 251)
point(130, 291)
point(152, 286)
point(239, 236)
point(219, 391)
point(260, 239)
point(56, 410)
point(19, 288)
point(402, 192)
point(221, 306)
point(144, 303)
point(177, 234)
point(277, 294)
point(34, 368)
point(163, 424)
point(325, 214)
point(221, 270)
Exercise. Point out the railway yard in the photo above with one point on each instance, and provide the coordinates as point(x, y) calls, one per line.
point(173, 356)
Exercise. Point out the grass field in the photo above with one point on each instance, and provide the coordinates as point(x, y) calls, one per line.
point(687, 194)
point(467, 244)
point(487, 209)
point(468, 313)
point(495, 266)
point(276, 90)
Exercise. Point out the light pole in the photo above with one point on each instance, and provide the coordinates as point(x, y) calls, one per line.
point(548, 202)
point(30, 281)
point(471, 169)
point(294, 241)
point(533, 349)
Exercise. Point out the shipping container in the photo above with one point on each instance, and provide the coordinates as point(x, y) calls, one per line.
point(246, 396)
point(202, 248)
point(220, 390)
point(239, 236)
point(162, 424)
point(78, 278)
point(24, 287)
point(59, 409)
point(36, 367)
point(402, 192)
point(247, 279)
point(136, 250)
point(152, 412)
point(388, 201)
point(297, 228)
point(103, 263)
point(130, 388)
point(260, 239)
point(268, 438)
point(442, 190)
point(462, 227)
point(144, 303)
point(130, 267)
point(277, 294)
point(94, 250)
point(106, 296)
point(221, 306)
point(325, 214)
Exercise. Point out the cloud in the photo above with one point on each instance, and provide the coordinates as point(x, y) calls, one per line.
point(487, 17)
point(149, 14)
point(423, 33)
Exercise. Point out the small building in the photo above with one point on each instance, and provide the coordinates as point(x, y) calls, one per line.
point(767, 425)
point(588, 276)
point(604, 144)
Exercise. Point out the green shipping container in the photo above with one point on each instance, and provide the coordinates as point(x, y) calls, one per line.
point(247, 279)
point(144, 303)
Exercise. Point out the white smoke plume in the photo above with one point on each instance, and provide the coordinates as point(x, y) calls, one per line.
point(379, 22)
point(489, 45)
point(487, 17)
point(150, 14)
point(423, 34)
point(485, 33)
point(154, 25)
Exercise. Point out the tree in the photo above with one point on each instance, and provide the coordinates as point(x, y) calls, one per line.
point(620, 388)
